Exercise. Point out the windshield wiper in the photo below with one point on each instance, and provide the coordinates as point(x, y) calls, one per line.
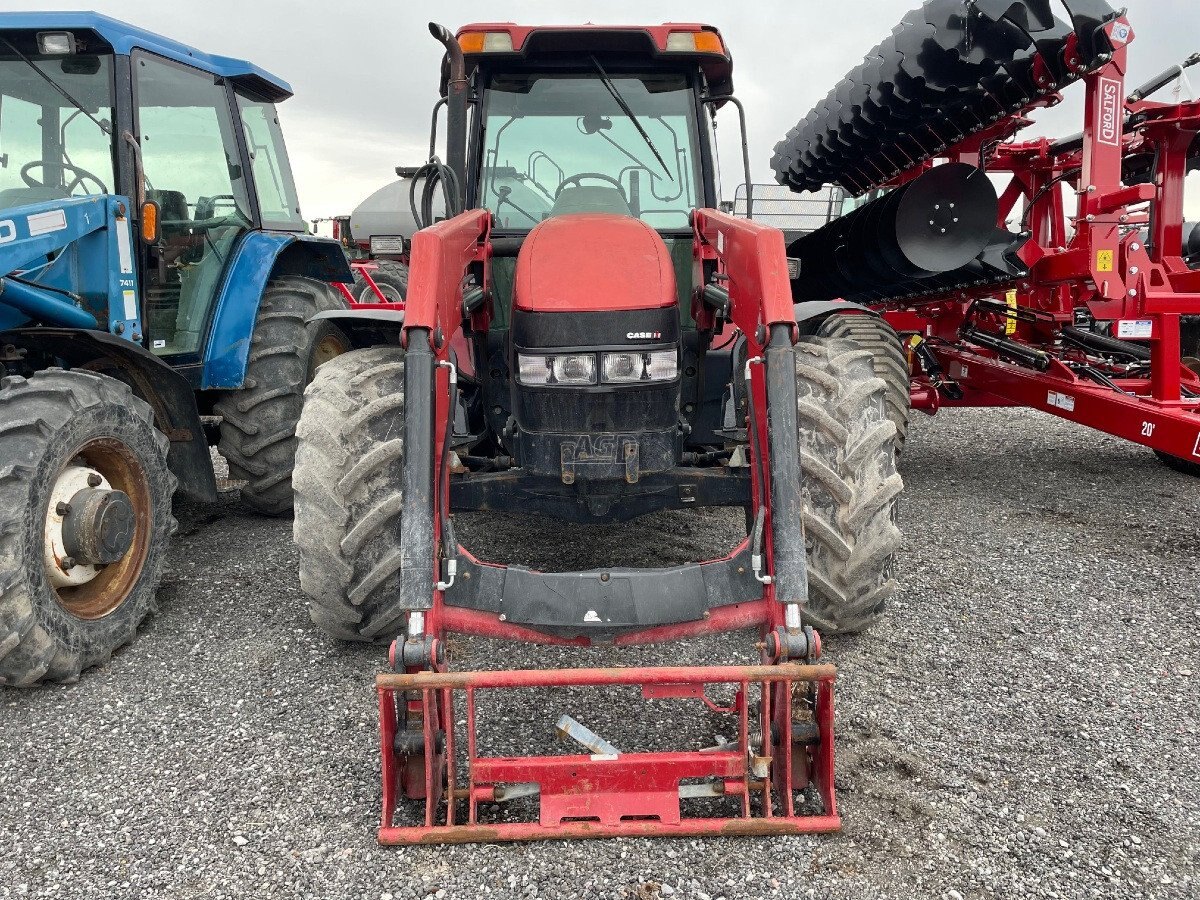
point(103, 126)
point(616, 95)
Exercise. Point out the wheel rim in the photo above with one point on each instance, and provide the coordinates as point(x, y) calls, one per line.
point(326, 349)
point(390, 293)
point(95, 594)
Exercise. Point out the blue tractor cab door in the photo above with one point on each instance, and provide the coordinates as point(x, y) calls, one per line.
point(214, 161)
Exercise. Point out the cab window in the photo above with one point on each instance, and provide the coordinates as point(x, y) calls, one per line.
point(273, 181)
point(49, 149)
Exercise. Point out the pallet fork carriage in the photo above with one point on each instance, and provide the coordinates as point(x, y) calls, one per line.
point(626, 795)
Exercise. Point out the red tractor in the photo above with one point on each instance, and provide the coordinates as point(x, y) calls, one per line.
point(588, 337)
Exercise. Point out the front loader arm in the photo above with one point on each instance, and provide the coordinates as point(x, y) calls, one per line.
point(439, 260)
point(69, 263)
point(752, 267)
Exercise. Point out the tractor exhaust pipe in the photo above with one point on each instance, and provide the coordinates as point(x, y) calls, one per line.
point(456, 108)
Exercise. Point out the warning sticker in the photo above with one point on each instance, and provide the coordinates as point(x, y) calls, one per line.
point(1064, 402)
point(124, 247)
point(45, 223)
point(1135, 329)
point(131, 305)
point(1010, 321)
point(1104, 261)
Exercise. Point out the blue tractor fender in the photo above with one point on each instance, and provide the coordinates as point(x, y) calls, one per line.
point(259, 256)
point(168, 393)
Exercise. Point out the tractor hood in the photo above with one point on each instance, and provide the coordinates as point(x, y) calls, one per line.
point(593, 262)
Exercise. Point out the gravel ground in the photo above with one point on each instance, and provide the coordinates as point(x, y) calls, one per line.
point(1022, 723)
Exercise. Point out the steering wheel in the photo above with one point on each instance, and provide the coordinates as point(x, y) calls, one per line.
point(81, 175)
point(599, 176)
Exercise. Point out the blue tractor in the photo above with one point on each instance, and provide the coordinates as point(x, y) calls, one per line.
point(155, 276)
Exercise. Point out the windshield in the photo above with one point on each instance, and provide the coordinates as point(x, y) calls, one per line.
point(49, 149)
point(555, 144)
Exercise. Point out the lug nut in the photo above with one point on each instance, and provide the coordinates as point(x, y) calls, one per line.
point(68, 563)
point(93, 480)
point(63, 508)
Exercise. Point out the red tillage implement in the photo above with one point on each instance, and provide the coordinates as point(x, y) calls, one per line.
point(1085, 302)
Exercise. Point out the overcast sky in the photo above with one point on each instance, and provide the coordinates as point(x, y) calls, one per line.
point(366, 73)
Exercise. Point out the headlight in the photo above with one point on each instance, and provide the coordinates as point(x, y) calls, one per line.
point(631, 368)
point(571, 368)
point(56, 43)
point(627, 367)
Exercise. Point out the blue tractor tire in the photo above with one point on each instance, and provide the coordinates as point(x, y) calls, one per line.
point(85, 519)
point(258, 422)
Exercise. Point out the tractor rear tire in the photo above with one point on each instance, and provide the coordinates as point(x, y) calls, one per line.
point(70, 443)
point(1178, 464)
point(258, 422)
point(849, 481)
point(888, 357)
point(348, 484)
point(391, 278)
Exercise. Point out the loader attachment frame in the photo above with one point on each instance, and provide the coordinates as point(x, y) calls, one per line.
point(613, 794)
point(762, 584)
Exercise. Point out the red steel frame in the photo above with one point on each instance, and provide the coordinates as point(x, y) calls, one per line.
point(636, 793)
point(364, 269)
point(1104, 267)
point(627, 795)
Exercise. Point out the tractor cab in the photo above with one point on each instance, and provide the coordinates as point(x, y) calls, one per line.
point(94, 108)
point(591, 147)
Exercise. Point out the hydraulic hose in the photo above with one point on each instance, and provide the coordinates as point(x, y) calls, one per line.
point(431, 176)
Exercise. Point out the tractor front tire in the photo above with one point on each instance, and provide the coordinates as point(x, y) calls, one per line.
point(348, 485)
point(888, 358)
point(258, 422)
point(391, 279)
point(849, 482)
point(85, 518)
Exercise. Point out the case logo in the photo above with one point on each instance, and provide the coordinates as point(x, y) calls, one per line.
point(644, 335)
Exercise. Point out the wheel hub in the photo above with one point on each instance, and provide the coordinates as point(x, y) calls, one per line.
point(88, 525)
point(98, 528)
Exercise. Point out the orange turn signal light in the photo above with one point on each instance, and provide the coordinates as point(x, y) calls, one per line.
point(485, 42)
point(709, 42)
point(150, 222)
point(695, 42)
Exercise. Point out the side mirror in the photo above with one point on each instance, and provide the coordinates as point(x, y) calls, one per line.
point(151, 226)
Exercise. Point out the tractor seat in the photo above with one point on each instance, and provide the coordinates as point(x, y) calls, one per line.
point(24, 196)
point(590, 199)
point(172, 205)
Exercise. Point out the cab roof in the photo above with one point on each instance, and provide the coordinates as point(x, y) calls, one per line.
point(123, 38)
point(531, 41)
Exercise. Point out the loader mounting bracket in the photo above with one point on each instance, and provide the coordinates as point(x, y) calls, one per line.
point(603, 602)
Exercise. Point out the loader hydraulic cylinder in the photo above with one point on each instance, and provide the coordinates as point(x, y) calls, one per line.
point(787, 505)
point(44, 306)
point(416, 536)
